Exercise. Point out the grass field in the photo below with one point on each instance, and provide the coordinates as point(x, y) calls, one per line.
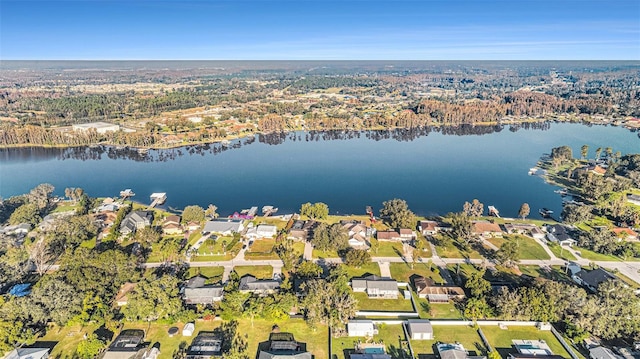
point(262, 249)
point(317, 340)
point(465, 335)
point(560, 252)
point(213, 273)
point(388, 249)
point(391, 335)
point(67, 338)
point(436, 311)
point(324, 254)
point(369, 268)
point(402, 272)
point(528, 247)
point(260, 272)
point(383, 305)
point(593, 256)
point(500, 339)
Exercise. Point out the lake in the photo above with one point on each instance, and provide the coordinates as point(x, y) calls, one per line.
point(436, 171)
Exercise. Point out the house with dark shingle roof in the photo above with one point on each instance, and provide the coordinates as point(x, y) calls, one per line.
point(376, 287)
point(593, 278)
point(250, 284)
point(136, 220)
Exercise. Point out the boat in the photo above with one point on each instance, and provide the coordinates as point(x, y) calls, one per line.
point(562, 192)
point(493, 211)
point(546, 212)
point(533, 171)
point(127, 193)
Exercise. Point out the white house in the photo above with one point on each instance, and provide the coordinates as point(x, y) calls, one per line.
point(262, 231)
point(361, 328)
point(420, 329)
point(99, 127)
point(224, 226)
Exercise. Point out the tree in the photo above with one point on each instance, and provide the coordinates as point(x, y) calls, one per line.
point(326, 303)
point(41, 256)
point(90, 347)
point(572, 213)
point(40, 196)
point(308, 269)
point(562, 154)
point(473, 209)
point(397, 214)
point(598, 152)
point(508, 254)
point(476, 284)
point(147, 235)
point(524, 211)
point(317, 210)
point(584, 151)
point(27, 213)
point(53, 300)
point(193, 214)
point(476, 308)
point(154, 299)
point(332, 237)
point(357, 258)
point(461, 227)
point(212, 211)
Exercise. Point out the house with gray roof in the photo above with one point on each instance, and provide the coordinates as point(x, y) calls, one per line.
point(376, 287)
point(136, 220)
point(558, 234)
point(250, 284)
point(419, 329)
point(197, 292)
point(225, 227)
point(602, 353)
point(205, 345)
point(593, 278)
point(28, 353)
point(283, 346)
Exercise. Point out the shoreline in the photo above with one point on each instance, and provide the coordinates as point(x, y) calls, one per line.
point(247, 135)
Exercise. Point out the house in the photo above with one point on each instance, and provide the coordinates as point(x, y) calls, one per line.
point(558, 234)
point(224, 227)
point(136, 220)
point(486, 229)
point(407, 234)
point(361, 328)
point(526, 229)
point(451, 351)
point(427, 288)
point(128, 344)
point(388, 236)
point(196, 292)
point(205, 345)
point(17, 229)
point(376, 287)
point(428, 228)
point(262, 231)
point(193, 226)
point(419, 329)
point(28, 353)
point(602, 353)
point(122, 297)
point(593, 278)
point(625, 233)
point(358, 233)
point(99, 127)
point(250, 284)
point(283, 346)
point(171, 225)
point(302, 230)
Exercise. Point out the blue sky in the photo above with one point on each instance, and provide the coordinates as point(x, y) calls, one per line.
point(309, 30)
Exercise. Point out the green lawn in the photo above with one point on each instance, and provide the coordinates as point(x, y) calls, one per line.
point(561, 252)
point(383, 305)
point(529, 248)
point(274, 221)
point(391, 335)
point(262, 249)
point(324, 254)
point(388, 249)
point(465, 335)
point(260, 272)
point(193, 237)
point(157, 333)
point(369, 268)
point(212, 250)
point(317, 339)
point(436, 311)
point(453, 251)
point(556, 273)
point(213, 273)
point(593, 256)
point(64, 207)
point(500, 339)
point(67, 338)
point(402, 272)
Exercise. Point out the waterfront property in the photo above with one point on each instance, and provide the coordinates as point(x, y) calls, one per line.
point(99, 127)
point(557, 233)
point(224, 227)
point(136, 220)
point(486, 229)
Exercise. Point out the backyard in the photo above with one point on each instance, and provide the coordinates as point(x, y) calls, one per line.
point(391, 335)
point(500, 339)
point(260, 272)
point(402, 272)
point(383, 305)
point(528, 247)
point(465, 335)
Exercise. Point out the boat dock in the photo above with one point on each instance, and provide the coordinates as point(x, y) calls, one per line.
point(493, 211)
point(157, 198)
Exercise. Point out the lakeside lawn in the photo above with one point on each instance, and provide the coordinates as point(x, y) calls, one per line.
point(383, 305)
point(560, 252)
point(500, 339)
point(528, 247)
point(369, 268)
point(260, 272)
point(465, 335)
point(261, 249)
point(391, 335)
point(214, 274)
point(402, 272)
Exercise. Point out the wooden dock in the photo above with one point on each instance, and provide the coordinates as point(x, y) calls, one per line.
point(157, 198)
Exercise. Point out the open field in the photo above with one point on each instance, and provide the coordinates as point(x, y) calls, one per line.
point(214, 274)
point(383, 305)
point(402, 272)
point(391, 335)
point(528, 247)
point(260, 272)
point(369, 268)
point(262, 249)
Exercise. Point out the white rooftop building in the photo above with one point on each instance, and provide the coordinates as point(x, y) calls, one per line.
point(100, 127)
